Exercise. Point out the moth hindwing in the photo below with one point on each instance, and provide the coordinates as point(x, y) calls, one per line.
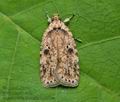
point(59, 60)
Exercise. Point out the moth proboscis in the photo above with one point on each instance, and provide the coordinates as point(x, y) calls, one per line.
point(59, 59)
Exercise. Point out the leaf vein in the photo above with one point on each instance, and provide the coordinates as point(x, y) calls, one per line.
point(11, 65)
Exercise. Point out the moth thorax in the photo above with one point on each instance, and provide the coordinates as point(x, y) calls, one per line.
point(57, 24)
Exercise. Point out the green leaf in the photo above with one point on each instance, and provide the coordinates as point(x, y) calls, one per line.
point(96, 23)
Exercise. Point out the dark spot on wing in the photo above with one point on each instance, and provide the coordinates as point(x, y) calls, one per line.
point(44, 69)
point(70, 50)
point(62, 77)
point(73, 81)
point(46, 51)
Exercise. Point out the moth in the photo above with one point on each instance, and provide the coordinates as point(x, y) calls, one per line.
point(58, 55)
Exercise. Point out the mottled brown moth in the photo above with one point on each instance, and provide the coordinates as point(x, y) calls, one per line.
point(58, 56)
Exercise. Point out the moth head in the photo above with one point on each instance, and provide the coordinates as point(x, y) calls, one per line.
point(55, 17)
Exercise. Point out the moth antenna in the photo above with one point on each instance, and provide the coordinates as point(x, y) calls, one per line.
point(68, 19)
point(79, 40)
point(57, 12)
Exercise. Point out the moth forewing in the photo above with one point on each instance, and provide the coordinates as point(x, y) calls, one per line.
point(59, 60)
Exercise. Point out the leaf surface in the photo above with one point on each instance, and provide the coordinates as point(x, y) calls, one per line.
point(96, 23)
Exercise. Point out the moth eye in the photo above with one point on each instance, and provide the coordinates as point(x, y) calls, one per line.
point(46, 51)
point(54, 28)
point(59, 27)
point(70, 50)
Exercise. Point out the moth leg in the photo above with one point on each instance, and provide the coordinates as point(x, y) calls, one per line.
point(48, 17)
point(68, 19)
point(79, 40)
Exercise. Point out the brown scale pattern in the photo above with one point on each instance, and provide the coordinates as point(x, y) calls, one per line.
point(59, 60)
